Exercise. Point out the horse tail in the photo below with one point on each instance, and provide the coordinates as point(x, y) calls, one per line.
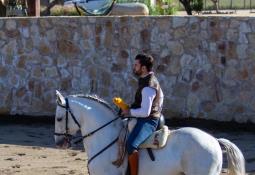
point(236, 162)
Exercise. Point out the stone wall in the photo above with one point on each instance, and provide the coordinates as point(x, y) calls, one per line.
point(206, 65)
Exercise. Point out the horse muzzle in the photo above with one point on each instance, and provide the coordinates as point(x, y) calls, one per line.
point(63, 142)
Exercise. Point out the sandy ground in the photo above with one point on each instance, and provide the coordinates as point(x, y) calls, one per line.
point(27, 149)
point(30, 149)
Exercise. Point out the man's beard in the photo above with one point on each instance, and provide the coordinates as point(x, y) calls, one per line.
point(137, 73)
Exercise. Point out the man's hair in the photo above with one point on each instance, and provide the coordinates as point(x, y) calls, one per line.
point(145, 60)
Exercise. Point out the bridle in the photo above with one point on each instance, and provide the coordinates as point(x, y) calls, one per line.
point(66, 135)
point(69, 137)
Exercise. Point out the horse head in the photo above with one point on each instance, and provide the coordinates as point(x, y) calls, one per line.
point(65, 127)
point(87, 113)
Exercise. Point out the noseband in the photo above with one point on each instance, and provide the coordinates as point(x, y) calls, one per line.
point(69, 137)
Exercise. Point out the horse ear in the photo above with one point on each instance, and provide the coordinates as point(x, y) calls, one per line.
point(60, 98)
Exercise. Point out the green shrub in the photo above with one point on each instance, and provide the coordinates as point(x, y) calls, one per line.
point(197, 5)
point(167, 8)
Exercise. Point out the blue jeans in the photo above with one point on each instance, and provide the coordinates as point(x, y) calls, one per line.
point(142, 130)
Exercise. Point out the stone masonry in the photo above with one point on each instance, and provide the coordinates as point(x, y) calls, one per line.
point(206, 65)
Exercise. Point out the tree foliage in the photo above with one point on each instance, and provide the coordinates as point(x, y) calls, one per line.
point(192, 5)
point(197, 5)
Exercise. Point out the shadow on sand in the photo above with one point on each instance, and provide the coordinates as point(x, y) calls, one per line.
point(29, 131)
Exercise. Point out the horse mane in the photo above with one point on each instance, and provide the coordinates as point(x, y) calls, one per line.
point(97, 99)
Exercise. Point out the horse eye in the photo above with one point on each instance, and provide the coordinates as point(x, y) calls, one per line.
point(59, 119)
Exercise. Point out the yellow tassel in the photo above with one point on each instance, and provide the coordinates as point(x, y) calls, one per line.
point(120, 103)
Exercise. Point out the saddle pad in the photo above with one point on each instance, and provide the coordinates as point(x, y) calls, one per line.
point(157, 140)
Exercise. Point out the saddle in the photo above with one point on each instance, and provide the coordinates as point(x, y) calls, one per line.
point(157, 140)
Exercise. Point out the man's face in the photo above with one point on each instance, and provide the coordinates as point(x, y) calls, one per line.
point(137, 68)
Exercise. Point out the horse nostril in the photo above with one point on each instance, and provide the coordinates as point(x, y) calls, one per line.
point(60, 142)
point(63, 143)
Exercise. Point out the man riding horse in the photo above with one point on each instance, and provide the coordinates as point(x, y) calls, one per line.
point(146, 108)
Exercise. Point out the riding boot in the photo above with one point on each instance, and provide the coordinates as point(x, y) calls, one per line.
point(133, 163)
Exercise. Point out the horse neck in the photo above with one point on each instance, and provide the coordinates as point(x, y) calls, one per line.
point(93, 116)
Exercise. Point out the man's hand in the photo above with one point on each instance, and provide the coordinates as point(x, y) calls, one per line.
point(126, 112)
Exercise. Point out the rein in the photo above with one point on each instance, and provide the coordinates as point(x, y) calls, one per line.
point(69, 136)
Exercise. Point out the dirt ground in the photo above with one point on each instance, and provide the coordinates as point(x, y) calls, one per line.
point(28, 149)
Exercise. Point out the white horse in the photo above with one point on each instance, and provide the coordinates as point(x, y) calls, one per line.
point(189, 151)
